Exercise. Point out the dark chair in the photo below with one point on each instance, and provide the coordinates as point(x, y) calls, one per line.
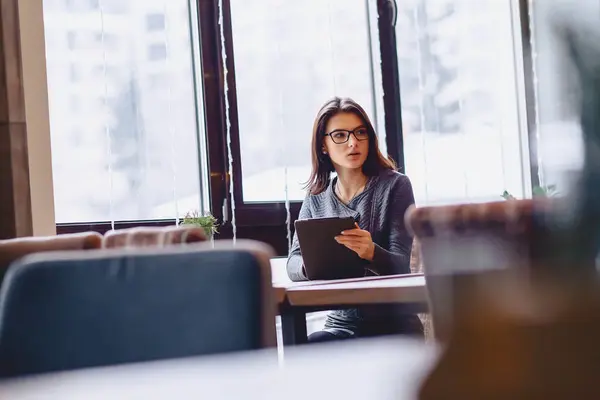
point(65, 311)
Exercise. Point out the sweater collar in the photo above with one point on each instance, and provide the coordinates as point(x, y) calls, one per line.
point(368, 187)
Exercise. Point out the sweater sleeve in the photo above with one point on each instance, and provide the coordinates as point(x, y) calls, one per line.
point(295, 265)
point(396, 259)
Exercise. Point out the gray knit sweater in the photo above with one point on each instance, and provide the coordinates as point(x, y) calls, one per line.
point(380, 210)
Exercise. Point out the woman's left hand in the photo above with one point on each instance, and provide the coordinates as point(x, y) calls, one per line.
point(359, 241)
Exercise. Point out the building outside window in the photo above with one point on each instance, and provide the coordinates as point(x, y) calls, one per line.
point(135, 152)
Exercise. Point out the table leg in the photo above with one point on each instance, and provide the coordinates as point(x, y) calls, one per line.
point(293, 326)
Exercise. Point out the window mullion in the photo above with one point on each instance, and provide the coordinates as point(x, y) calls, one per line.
point(214, 116)
point(391, 81)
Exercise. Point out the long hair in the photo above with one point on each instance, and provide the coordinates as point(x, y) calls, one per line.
point(322, 167)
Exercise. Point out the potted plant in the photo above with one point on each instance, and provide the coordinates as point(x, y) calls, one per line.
point(206, 221)
point(538, 191)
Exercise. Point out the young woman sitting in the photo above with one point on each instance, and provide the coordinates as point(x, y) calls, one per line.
point(367, 187)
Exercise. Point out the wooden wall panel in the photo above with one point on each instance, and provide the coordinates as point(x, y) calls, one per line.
point(15, 194)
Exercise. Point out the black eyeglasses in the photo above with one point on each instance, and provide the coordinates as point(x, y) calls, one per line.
point(340, 136)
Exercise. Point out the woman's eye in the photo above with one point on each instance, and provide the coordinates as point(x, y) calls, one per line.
point(339, 135)
point(362, 132)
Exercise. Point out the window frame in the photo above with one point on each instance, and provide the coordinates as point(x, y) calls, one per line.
point(529, 100)
point(273, 214)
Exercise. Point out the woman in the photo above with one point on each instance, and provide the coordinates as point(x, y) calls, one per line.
point(368, 188)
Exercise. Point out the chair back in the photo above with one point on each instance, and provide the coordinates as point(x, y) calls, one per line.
point(153, 236)
point(13, 249)
point(65, 311)
point(464, 247)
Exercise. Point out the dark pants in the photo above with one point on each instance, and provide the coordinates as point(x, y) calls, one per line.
point(409, 325)
point(324, 336)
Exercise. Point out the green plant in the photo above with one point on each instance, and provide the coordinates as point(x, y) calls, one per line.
point(205, 221)
point(538, 191)
point(548, 191)
point(508, 196)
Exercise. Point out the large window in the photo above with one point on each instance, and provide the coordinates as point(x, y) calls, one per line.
point(460, 101)
point(291, 57)
point(123, 146)
point(139, 89)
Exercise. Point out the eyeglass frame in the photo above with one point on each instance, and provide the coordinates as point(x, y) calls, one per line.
point(350, 132)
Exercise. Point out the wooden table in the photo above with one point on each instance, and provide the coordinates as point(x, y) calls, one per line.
point(406, 292)
point(406, 289)
point(379, 369)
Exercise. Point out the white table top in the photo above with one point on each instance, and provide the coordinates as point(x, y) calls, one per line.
point(359, 369)
point(367, 290)
point(408, 289)
point(278, 271)
point(391, 281)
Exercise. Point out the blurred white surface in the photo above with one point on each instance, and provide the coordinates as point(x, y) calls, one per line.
point(365, 369)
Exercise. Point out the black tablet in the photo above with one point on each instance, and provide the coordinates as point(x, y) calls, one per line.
point(323, 257)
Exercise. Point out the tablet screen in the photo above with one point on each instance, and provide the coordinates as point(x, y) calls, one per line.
point(323, 257)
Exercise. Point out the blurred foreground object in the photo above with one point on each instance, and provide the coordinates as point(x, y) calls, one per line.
point(508, 327)
point(513, 285)
point(63, 311)
point(252, 375)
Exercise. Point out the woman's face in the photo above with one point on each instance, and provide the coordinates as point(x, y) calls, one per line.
point(346, 141)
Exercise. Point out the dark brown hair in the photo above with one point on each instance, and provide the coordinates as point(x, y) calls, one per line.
point(322, 167)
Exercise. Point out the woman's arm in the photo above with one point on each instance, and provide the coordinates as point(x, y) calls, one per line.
point(295, 265)
point(396, 259)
